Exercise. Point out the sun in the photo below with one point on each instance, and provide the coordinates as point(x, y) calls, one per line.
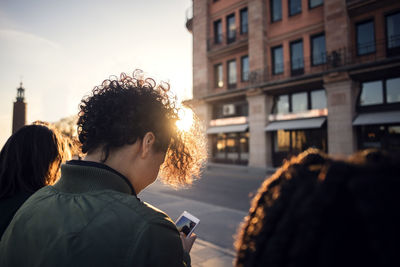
point(185, 119)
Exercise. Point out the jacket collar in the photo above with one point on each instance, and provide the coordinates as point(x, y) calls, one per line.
point(86, 176)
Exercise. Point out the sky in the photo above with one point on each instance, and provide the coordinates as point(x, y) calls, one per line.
point(62, 49)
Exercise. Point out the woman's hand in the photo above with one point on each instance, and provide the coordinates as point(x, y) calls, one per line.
point(187, 242)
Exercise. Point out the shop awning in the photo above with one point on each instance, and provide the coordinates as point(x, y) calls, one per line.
point(387, 117)
point(228, 129)
point(296, 124)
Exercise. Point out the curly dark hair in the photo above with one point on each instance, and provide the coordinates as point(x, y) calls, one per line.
point(31, 159)
point(121, 111)
point(317, 211)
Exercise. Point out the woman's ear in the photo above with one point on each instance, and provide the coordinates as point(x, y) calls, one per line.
point(147, 143)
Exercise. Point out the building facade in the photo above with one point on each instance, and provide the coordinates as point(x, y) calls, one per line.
point(272, 78)
point(19, 111)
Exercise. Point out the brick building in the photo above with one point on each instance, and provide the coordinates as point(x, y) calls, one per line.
point(274, 77)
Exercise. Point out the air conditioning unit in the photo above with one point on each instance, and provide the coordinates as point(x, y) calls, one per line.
point(228, 109)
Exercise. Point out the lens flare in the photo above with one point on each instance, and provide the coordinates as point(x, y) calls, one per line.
point(185, 119)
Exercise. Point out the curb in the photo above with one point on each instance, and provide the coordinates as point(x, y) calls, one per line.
point(226, 251)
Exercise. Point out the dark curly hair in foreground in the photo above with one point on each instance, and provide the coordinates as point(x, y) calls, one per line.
point(121, 111)
point(316, 211)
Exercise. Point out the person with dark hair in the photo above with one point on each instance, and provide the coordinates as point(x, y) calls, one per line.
point(29, 160)
point(92, 215)
point(318, 211)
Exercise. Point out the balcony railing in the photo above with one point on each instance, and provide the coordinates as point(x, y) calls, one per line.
point(361, 55)
point(225, 39)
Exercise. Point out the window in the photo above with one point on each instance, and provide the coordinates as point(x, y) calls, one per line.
point(296, 57)
point(365, 38)
point(393, 33)
point(380, 92)
point(299, 102)
point(231, 148)
point(230, 28)
point(371, 93)
point(318, 53)
point(218, 31)
point(393, 90)
point(318, 99)
point(291, 142)
point(276, 10)
point(226, 110)
point(294, 7)
point(282, 104)
point(277, 60)
point(218, 75)
point(245, 68)
point(244, 28)
point(315, 3)
point(380, 136)
point(232, 74)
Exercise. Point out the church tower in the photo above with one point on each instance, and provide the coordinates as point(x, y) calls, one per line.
point(19, 113)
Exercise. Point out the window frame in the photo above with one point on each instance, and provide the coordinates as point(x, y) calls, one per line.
point(218, 38)
point(394, 50)
point(290, 100)
point(231, 85)
point(228, 39)
point(271, 7)
point(312, 7)
point(299, 71)
point(312, 48)
point(289, 7)
point(273, 60)
point(374, 35)
point(385, 104)
point(241, 20)
point(241, 68)
point(216, 81)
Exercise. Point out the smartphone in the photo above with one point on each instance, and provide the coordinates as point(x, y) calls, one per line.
point(186, 223)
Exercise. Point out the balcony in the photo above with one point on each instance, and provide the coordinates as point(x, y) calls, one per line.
point(224, 40)
point(380, 52)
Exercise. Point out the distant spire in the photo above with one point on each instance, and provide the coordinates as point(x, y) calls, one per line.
point(20, 93)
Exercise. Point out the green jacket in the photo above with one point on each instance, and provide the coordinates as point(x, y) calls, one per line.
point(90, 218)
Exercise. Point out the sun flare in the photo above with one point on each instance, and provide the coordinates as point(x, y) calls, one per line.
point(185, 119)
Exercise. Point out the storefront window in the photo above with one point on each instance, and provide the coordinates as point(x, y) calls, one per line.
point(232, 148)
point(244, 147)
point(291, 142)
point(299, 141)
point(394, 137)
point(380, 136)
point(282, 141)
point(220, 146)
point(372, 93)
point(299, 102)
point(393, 90)
point(318, 99)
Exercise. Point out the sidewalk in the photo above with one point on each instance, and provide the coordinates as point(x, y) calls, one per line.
point(206, 254)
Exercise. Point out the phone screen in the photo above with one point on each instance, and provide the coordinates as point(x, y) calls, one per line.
point(186, 223)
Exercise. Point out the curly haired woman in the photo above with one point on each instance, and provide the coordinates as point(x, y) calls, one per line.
point(128, 129)
point(318, 211)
